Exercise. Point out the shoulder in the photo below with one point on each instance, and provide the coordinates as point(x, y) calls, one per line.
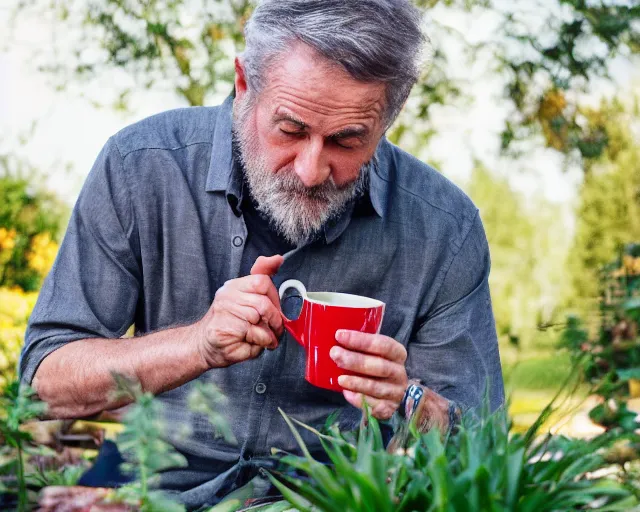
point(418, 193)
point(170, 130)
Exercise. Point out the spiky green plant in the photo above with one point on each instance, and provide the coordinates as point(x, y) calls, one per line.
point(18, 404)
point(147, 453)
point(206, 398)
point(66, 476)
point(482, 467)
point(143, 444)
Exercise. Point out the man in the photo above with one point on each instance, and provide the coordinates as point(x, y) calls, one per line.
point(183, 222)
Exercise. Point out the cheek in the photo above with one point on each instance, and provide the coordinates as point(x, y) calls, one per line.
point(273, 152)
point(277, 154)
point(346, 167)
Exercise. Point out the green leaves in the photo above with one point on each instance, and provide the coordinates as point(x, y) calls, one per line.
point(361, 478)
point(143, 446)
point(208, 400)
point(143, 443)
point(18, 404)
point(632, 304)
point(482, 467)
point(628, 374)
point(27, 213)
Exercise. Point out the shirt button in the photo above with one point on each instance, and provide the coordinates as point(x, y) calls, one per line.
point(237, 241)
point(261, 388)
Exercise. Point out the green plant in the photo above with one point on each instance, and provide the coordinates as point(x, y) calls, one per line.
point(611, 358)
point(15, 308)
point(147, 453)
point(143, 443)
point(67, 476)
point(481, 467)
point(17, 406)
point(31, 221)
point(207, 399)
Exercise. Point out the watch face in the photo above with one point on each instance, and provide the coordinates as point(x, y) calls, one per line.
point(411, 399)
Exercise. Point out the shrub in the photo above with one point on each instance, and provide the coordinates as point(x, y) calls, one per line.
point(31, 222)
point(15, 308)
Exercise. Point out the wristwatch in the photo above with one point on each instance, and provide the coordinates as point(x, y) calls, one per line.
point(411, 400)
point(410, 407)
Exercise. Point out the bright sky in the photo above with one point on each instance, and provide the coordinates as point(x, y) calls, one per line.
point(71, 131)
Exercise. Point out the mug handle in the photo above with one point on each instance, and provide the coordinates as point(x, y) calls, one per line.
point(295, 327)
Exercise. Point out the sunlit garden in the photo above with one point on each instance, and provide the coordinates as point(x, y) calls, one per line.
point(531, 108)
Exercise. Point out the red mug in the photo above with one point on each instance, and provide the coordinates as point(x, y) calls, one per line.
point(322, 315)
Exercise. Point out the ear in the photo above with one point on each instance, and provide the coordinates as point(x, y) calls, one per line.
point(240, 81)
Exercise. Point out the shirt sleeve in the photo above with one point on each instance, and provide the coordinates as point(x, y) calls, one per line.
point(93, 287)
point(455, 349)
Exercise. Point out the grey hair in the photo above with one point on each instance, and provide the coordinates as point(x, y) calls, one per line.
point(373, 40)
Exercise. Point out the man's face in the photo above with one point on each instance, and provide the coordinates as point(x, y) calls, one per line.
point(306, 140)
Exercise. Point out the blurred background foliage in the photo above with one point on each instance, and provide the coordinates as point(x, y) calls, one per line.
point(31, 223)
point(547, 51)
point(546, 56)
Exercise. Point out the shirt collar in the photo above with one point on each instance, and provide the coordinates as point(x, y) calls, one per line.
point(379, 180)
point(226, 176)
point(221, 168)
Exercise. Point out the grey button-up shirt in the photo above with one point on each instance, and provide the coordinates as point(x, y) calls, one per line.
point(153, 236)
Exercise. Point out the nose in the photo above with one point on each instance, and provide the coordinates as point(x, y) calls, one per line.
point(310, 166)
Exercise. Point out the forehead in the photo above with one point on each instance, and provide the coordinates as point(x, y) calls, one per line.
point(308, 85)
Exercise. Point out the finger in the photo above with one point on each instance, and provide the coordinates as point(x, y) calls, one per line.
point(245, 313)
point(375, 344)
point(245, 324)
point(243, 351)
point(267, 265)
point(265, 308)
point(380, 409)
point(245, 316)
point(261, 335)
point(275, 340)
point(372, 366)
point(373, 388)
point(229, 296)
point(255, 351)
point(259, 284)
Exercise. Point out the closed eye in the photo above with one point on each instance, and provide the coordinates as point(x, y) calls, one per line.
point(293, 134)
point(346, 143)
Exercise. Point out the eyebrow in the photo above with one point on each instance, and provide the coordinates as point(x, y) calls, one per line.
point(350, 132)
point(288, 117)
point(360, 133)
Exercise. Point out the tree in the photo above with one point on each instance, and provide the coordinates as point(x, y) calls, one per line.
point(560, 47)
point(546, 52)
point(609, 210)
point(528, 252)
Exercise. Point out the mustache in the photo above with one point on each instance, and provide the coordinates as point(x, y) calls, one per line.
point(288, 181)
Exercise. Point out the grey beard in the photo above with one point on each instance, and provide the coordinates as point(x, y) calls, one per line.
point(299, 214)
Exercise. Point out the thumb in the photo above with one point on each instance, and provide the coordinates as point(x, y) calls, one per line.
point(267, 265)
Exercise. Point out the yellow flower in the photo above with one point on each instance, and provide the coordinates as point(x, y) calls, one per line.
point(552, 104)
point(7, 239)
point(215, 32)
point(42, 254)
point(630, 265)
point(15, 308)
point(552, 120)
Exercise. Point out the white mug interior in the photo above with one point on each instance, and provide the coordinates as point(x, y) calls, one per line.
point(345, 300)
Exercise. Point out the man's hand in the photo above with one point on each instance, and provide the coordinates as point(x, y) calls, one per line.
point(244, 318)
point(380, 360)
